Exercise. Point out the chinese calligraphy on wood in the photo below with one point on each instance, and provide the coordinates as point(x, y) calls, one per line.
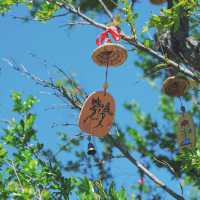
point(97, 114)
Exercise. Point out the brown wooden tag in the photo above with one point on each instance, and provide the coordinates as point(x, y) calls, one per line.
point(175, 86)
point(110, 55)
point(97, 114)
point(186, 132)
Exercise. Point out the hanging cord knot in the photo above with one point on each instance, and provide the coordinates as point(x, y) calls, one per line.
point(114, 31)
point(182, 109)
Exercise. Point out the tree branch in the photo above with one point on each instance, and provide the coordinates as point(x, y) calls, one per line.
point(132, 41)
point(171, 169)
point(141, 167)
point(75, 23)
point(33, 19)
point(77, 105)
point(157, 55)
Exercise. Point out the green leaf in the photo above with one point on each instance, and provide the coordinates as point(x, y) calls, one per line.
point(145, 28)
point(58, 83)
point(147, 43)
point(46, 10)
point(29, 121)
point(22, 106)
point(45, 194)
point(33, 164)
point(136, 136)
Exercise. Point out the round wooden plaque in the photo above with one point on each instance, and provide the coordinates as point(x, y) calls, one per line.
point(157, 2)
point(109, 54)
point(186, 132)
point(175, 86)
point(97, 114)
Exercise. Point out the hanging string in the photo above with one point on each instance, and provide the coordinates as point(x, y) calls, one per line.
point(89, 139)
point(106, 80)
point(105, 86)
point(182, 106)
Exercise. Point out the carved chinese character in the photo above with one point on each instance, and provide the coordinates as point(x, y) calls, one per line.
point(97, 114)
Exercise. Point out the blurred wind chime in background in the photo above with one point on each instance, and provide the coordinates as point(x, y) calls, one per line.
point(157, 2)
point(97, 113)
point(177, 86)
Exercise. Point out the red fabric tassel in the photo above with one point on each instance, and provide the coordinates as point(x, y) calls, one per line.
point(103, 37)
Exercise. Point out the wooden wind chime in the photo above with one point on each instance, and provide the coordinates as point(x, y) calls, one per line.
point(97, 113)
point(177, 86)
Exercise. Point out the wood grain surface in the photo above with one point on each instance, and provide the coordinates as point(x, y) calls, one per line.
point(97, 114)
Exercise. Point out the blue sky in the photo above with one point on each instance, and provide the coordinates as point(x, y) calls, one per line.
point(71, 50)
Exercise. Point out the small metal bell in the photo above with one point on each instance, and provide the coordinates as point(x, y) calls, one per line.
point(91, 149)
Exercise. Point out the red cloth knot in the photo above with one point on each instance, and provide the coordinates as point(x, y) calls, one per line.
point(103, 37)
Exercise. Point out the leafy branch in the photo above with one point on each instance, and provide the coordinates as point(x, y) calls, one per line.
point(77, 104)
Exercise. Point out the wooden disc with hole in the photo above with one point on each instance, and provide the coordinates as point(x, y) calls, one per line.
point(97, 114)
point(157, 2)
point(175, 86)
point(109, 54)
point(186, 132)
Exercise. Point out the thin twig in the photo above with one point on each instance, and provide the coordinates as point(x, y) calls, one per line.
point(55, 107)
point(35, 19)
point(75, 23)
point(171, 169)
point(61, 91)
point(77, 12)
point(64, 124)
point(16, 174)
point(107, 11)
